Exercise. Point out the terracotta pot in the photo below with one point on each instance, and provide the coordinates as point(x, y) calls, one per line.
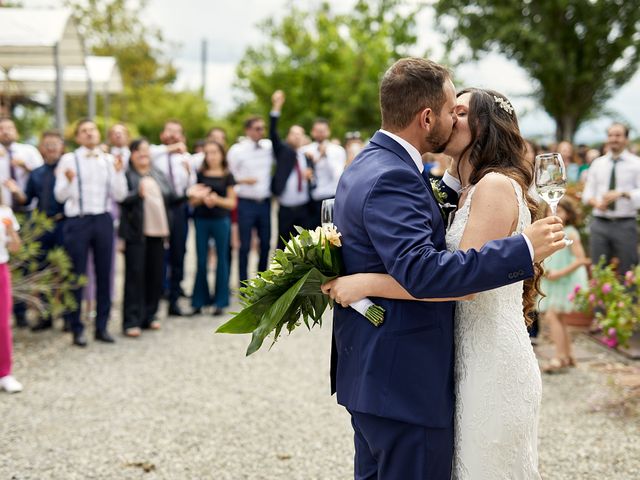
point(577, 319)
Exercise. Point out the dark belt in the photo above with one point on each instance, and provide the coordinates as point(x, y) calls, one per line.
point(620, 219)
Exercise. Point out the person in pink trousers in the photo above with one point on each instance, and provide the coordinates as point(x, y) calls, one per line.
point(9, 243)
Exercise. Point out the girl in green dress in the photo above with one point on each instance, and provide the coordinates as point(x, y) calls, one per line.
point(564, 271)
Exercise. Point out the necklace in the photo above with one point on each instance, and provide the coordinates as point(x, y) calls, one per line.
point(465, 189)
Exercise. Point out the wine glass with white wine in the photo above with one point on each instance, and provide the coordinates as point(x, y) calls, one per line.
point(326, 213)
point(551, 181)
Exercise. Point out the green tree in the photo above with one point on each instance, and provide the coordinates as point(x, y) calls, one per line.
point(115, 28)
point(328, 64)
point(578, 52)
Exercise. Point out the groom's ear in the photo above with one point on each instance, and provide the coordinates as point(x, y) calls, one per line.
point(427, 118)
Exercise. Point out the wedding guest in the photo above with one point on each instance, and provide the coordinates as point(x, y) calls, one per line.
point(172, 159)
point(565, 271)
point(40, 192)
point(215, 134)
point(436, 164)
point(353, 145)
point(17, 160)
point(119, 143)
point(86, 180)
point(212, 220)
point(327, 161)
point(9, 243)
point(291, 177)
point(251, 162)
point(612, 188)
point(144, 226)
point(571, 160)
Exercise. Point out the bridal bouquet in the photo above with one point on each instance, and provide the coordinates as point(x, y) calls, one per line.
point(290, 289)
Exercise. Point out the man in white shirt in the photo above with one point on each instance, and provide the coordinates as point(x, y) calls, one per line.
point(327, 161)
point(251, 162)
point(119, 143)
point(612, 188)
point(172, 159)
point(17, 161)
point(86, 182)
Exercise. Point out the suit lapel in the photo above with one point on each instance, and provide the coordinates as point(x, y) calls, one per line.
point(388, 143)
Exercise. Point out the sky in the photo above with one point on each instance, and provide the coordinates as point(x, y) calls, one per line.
point(230, 27)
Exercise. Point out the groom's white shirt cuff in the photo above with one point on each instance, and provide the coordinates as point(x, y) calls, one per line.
point(452, 182)
point(529, 245)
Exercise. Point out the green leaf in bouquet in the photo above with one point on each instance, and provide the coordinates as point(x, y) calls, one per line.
point(305, 238)
point(247, 320)
point(274, 315)
point(326, 253)
point(319, 304)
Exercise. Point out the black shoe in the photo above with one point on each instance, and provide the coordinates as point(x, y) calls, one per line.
point(42, 325)
point(21, 322)
point(103, 336)
point(176, 311)
point(218, 311)
point(79, 339)
point(196, 311)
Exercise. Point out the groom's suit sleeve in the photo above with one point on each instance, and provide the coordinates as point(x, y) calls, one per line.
point(399, 220)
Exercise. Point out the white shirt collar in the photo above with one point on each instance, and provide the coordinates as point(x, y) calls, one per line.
point(411, 150)
point(85, 152)
point(623, 154)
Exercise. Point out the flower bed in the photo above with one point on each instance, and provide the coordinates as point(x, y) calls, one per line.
point(614, 302)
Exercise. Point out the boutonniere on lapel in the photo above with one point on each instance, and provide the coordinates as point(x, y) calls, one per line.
point(442, 198)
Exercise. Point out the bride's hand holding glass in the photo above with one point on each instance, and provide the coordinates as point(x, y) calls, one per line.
point(551, 181)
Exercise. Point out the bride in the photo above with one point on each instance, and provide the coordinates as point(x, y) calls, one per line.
point(497, 379)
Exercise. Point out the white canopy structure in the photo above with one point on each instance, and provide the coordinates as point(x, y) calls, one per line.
point(101, 72)
point(41, 38)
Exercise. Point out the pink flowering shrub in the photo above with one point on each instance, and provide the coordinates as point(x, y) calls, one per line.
point(611, 299)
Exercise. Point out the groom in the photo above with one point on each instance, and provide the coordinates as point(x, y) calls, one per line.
point(396, 381)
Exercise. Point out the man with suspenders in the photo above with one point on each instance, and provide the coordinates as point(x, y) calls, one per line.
point(86, 182)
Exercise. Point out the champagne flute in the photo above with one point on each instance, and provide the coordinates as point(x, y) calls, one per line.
point(326, 213)
point(551, 181)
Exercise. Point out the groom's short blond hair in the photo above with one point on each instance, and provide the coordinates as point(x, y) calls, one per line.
point(410, 85)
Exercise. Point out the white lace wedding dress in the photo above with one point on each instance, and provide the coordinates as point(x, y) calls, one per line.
point(498, 386)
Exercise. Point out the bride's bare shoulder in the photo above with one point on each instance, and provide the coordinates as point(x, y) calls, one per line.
point(495, 191)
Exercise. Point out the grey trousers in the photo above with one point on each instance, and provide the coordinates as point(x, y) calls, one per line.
point(615, 238)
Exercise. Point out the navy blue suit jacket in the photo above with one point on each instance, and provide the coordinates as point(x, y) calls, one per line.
point(390, 223)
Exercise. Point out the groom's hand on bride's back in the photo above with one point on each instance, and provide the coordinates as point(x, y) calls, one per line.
point(546, 236)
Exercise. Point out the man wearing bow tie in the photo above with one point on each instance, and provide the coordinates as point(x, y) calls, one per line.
point(86, 182)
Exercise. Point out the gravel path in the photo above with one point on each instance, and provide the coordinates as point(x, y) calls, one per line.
point(183, 403)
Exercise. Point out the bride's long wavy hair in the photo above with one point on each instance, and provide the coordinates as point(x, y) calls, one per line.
point(497, 146)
